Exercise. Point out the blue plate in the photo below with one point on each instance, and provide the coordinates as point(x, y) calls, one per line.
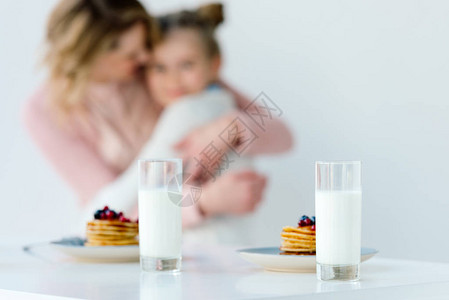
point(74, 247)
point(270, 259)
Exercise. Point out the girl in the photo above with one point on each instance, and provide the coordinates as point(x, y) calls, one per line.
point(183, 80)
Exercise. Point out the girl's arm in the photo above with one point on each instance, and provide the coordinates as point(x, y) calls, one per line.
point(251, 139)
point(71, 157)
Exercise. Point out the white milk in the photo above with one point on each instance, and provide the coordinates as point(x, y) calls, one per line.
point(338, 227)
point(160, 226)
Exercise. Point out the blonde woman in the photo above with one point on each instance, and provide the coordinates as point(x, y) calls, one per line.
point(93, 114)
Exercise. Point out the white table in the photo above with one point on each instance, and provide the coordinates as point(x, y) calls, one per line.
point(209, 273)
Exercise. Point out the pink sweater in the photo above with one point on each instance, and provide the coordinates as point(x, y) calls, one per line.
point(121, 118)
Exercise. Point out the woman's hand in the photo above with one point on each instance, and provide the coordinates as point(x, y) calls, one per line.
point(237, 193)
point(204, 144)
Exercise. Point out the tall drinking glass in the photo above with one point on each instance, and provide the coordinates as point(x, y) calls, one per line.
point(338, 211)
point(160, 227)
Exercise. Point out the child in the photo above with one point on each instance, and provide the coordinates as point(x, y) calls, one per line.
point(182, 79)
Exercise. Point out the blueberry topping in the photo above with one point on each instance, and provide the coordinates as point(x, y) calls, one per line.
point(109, 214)
point(97, 214)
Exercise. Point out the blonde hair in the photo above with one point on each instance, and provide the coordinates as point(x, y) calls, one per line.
point(78, 31)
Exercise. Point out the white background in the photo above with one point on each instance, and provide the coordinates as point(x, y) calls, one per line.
point(356, 80)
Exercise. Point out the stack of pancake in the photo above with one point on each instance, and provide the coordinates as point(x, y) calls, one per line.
point(298, 240)
point(111, 233)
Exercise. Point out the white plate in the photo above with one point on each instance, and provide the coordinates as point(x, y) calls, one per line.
point(270, 259)
point(74, 247)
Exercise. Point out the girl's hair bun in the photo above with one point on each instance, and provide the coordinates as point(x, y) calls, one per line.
point(212, 13)
point(205, 20)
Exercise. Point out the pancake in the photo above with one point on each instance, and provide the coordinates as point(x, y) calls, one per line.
point(298, 236)
point(299, 244)
point(100, 234)
point(112, 232)
point(294, 252)
point(302, 230)
point(115, 232)
point(113, 223)
point(286, 249)
point(299, 240)
point(112, 243)
point(110, 227)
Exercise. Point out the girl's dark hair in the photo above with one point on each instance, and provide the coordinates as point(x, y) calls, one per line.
point(205, 19)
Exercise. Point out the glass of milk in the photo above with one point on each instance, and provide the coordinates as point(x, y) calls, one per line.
point(160, 227)
point(338, 211)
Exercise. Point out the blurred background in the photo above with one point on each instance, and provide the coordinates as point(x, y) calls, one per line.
point(356, 80)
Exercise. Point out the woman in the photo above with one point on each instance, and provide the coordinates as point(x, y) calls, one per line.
point(93, 114)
